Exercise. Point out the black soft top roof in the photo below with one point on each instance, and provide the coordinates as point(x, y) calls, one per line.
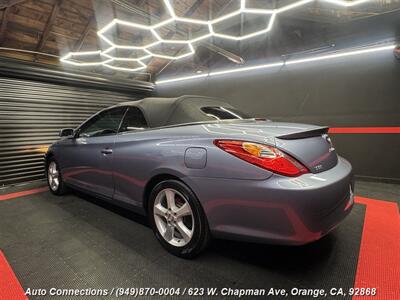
point(170, 111)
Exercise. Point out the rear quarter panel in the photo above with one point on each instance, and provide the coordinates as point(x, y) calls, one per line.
point(139, 156)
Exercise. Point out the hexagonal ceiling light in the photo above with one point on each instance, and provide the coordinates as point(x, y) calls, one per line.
point(246, 10)
point(189, 31)
point(123, 54)
point(347, 3)
point(115, 65)
point(102, 33)
point(164, 48)
point(246, 36)
point(72, 57)
point(146, 48)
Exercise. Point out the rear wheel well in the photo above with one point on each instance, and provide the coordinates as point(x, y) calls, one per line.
point(152, 183)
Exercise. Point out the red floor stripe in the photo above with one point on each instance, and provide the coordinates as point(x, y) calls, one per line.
point(23, 193)
point(364, 130)
point(10, 288)
point(379, 258)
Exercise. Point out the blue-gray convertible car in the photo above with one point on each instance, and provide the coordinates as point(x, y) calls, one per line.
point(199, 168)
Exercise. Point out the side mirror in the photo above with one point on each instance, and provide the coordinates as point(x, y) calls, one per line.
point(67, 132)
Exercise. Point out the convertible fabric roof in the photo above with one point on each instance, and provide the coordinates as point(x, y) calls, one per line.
point(170, 111)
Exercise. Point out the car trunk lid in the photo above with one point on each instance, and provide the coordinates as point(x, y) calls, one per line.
point(313, 148)
point(309, 144)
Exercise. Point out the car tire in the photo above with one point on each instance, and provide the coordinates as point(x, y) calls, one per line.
point(186, 219)
point(54, 178)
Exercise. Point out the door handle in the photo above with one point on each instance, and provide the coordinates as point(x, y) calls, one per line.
point(107, 151)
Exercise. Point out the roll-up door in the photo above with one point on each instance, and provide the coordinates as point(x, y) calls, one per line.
point(31, 116)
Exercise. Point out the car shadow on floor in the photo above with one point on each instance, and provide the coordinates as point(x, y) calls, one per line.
point(283, 259)
point(119, 210)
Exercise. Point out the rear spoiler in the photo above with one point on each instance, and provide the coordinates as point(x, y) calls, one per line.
point(304, 134)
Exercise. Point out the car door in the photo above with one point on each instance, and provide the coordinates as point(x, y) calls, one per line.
point(88, 157)
point(131, 157)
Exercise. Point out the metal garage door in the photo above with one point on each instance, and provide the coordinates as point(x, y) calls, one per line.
point(31, 115)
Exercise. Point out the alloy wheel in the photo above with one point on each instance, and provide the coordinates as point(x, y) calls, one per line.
point(53, 176)
point(173, 217)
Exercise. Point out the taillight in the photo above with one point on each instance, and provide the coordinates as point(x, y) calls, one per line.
point(266, 157)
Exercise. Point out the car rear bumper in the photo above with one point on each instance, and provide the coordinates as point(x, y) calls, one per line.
point(279, 210)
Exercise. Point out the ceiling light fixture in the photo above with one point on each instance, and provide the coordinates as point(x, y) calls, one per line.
point(112, 48)
point(293, 5)
point(191, 52)
point(69, 58)
point(337, 55)
point(247, 36)
point(142, 66)
point(346, 3)
point(174, 18)
point(281, 64)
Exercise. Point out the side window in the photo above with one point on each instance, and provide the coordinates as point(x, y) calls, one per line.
point(133, 120)
point(105, 123)
point(222, 113)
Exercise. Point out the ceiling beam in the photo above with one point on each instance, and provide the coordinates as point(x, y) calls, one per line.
point(140, 3)
point(138, 9)
point(9, 3)
point(79, 43)
point(188, 14)
point(193, 8)
point(225, 53)
point(3, 25)
point(48, 26)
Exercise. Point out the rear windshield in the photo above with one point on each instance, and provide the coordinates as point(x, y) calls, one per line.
point(223, 113)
